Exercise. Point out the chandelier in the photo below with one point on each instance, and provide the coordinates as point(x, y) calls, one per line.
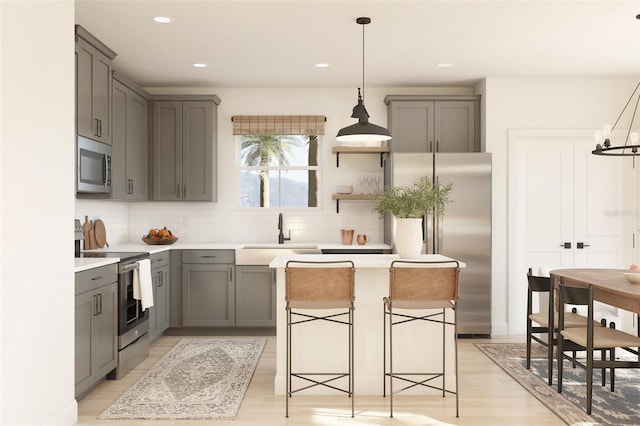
point(603, 137)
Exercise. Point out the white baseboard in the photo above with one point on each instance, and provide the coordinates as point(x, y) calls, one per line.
point(65, 417)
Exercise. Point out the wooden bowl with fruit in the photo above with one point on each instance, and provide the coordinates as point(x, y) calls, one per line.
point(159, 237)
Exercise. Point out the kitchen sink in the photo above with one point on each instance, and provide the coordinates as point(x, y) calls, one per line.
point(263, 254)
point(288, 246)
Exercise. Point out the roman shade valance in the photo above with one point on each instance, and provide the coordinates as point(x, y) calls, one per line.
point(278, 124)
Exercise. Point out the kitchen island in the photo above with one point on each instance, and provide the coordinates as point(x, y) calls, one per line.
point(323, 347)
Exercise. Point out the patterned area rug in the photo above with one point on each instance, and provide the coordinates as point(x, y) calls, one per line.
point(621, 407)
point(196, 379)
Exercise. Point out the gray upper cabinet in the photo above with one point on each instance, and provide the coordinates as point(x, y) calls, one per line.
point(184, 148)
point(130, 141)
point(93, 87)
point(420, 123)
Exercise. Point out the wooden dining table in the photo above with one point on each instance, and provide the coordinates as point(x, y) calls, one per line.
point(609, 285)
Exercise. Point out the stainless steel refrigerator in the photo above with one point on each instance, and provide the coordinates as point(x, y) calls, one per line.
point(464, 232)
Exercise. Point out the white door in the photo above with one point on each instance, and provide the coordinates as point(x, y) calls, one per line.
point(566, 209)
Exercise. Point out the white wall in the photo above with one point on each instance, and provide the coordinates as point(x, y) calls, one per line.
point(543, 103)
point(224, 221)
point(507, 103)
point(36, 208)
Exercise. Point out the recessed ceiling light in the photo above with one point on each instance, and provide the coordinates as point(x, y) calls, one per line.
point(445, 65)
point(321, 65)
point(199, 65)
point(163, 19)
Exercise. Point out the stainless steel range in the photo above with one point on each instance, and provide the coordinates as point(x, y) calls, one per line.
point(133, 321)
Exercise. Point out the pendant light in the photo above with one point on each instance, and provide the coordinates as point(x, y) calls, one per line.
point(362, 131)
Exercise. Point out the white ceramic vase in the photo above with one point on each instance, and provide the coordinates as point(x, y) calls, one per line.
point(408, 241)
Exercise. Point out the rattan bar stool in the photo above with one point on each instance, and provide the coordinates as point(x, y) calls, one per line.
point(319, 285)
point(423, 285)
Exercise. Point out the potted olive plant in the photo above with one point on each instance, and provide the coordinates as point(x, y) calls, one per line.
point(408, 204)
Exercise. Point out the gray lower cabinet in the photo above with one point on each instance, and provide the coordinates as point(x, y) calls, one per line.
point(255, 296)
point(184, 148)
point(96, 325)
point(130, 142)
point(159, 312)
point(422, 123)
point(208, 296)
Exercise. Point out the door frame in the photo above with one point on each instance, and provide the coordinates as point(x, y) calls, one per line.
point(517, 238)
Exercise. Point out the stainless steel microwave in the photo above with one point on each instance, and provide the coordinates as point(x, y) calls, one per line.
point(93, 168)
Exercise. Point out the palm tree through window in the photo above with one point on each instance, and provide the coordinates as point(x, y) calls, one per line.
point(279, 171)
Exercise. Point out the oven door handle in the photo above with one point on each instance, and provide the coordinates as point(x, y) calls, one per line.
point(123, 269)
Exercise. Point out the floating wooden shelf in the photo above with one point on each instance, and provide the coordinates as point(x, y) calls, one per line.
point(350, 197)
point(382, 150)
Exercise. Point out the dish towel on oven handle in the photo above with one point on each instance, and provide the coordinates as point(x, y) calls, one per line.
point(142, 284)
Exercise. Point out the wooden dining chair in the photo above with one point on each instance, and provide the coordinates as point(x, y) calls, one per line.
point(546, 322)
point(592, 338)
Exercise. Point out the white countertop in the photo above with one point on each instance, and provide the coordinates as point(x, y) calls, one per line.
point(82, 264)
point(359, 260)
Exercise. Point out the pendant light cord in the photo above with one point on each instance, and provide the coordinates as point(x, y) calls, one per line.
point(362, 63)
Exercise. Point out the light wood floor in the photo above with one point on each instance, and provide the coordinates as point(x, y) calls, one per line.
point(488, 396)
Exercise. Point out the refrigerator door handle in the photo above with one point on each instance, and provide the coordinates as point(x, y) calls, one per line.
point(439, 230)
point(428, 227)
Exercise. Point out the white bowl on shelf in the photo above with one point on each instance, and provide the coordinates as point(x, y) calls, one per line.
point(633, 277)
point(344, 189)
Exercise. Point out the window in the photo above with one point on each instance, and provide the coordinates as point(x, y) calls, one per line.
point(279, 160)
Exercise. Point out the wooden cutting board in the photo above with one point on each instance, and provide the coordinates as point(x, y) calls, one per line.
point(86, 229)
point(92, 237)
point(100, 233)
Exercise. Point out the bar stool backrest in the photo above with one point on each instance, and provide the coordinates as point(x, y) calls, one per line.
point(423, 283)
point(319, 285)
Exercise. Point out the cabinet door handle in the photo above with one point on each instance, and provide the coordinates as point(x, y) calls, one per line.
point(184, 191)
point(94, 307)
point(178, 190)
point(160, 279)
point(430, 146)
point(99, 303)
point(208, 256)
point(566, 245)
point(581, 245)
point(130, 186)
point(230, 274)
point(437, 146)
point(99, 277)
point(97, 131)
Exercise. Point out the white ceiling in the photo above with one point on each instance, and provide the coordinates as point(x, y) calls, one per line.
point(266, 43)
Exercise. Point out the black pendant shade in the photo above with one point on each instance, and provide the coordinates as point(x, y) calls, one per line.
point(362, 131)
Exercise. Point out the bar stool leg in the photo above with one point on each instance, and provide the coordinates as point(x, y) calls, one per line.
point(288, 364)
point(455, 345)
point(390, 362)
point(384, 350)
point(444, 337)
point(351, 362)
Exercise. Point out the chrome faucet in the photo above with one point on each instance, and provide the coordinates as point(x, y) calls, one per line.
point(281, 238)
